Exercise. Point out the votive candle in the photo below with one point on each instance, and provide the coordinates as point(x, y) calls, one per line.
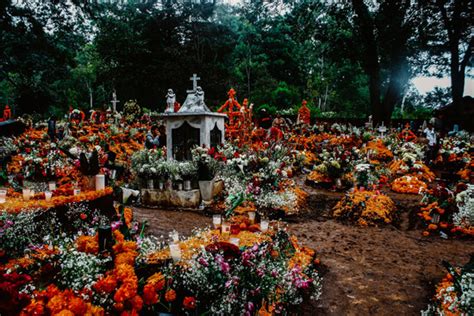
point(175, 236)
point(264, 225)
point(48, 195)
point(77, 191)
point(217, 221)
point(52, 185)
point(26, 194)
point(251, 217)
point(99, 182)
point(175, 252)
point(3, 196)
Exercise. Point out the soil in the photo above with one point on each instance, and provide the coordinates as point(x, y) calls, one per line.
point(391, 270)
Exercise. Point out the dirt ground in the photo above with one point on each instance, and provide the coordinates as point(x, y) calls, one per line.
point(370, 271)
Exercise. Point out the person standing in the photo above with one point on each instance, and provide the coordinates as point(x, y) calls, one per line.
point(52, 127)
point(430, 135)
point(152, 138)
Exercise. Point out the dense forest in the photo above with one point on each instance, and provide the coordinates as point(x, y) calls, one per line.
point(347, 58)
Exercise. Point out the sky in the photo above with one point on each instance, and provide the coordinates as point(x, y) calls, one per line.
point(426, 84)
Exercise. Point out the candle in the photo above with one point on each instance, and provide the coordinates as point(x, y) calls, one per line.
point(175, 236)
point(52, 185)
point(251, 217)
point(3, 196)
point(264, 225)
point(225, 229)
point(26, 194)
point(234, 241)
point(217, 221)
point(99, 182)
point(48, 195)
point(175, 252)
point(77, 191)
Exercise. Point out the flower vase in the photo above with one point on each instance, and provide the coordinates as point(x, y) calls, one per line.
point(161, 185)
point(149, 184)
point(187, 185)
point(206, 188)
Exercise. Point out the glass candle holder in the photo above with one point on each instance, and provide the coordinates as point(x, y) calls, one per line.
point(26, 194)
point(99, 182)
point(264, 225)
point(48, 195)
point(52, 186)
point(174, 236)
point(251, 217)
point(3, 196)
point(175, 252)
point(217, 221)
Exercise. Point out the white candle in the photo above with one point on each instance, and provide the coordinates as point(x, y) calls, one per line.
point(234, 241)
point(175, 252)
point(3, 196)
point(99, 182)
point(26, 194)
point(216, 221)
point(52, 185)
point(48, 195)
point(264, 225)
point(77, 191)
point(175, 236)
point(251, 217)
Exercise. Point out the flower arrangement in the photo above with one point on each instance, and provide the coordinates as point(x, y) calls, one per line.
point(448, 211)
point(131, 110)
point(365, 208)
point(408, 184)
point(455, 293)
point(377, 150)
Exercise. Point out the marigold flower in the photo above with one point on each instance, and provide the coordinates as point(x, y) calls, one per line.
point(170, 295)
point(150, 296)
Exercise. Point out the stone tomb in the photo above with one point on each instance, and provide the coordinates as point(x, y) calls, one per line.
point(193, 125)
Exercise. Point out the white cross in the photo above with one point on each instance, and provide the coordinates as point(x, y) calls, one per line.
point(114, 101)
point(195, 79)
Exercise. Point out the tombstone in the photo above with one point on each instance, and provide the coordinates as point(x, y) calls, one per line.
point(194, 124)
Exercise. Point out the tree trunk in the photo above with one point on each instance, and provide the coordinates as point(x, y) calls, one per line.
point(370, 58)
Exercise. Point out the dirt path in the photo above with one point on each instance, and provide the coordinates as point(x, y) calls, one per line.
point(371, 271)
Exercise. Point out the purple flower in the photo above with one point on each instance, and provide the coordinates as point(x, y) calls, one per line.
point(115, 225)
point(203, 262)
point(249, 307)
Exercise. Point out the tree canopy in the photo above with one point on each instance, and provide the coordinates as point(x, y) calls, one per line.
point(353, 59)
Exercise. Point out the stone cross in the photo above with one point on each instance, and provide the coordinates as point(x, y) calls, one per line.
point(114, 101)
point(194, 79)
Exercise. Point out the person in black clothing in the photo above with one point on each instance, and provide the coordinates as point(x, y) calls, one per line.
point(52, 127)
point(162, 137)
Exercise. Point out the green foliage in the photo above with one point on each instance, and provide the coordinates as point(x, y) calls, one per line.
point(275, 53)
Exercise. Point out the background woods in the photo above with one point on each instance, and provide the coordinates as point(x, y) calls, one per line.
point(349, 60)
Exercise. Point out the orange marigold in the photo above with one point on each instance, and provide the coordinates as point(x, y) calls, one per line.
point(170, 295)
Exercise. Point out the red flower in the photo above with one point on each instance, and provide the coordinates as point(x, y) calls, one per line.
point(189, 302)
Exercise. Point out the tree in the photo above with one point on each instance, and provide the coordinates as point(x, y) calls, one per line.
point(384, 33)
point(448, 31)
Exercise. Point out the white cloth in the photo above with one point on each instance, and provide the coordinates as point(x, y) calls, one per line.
point(431, 136)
